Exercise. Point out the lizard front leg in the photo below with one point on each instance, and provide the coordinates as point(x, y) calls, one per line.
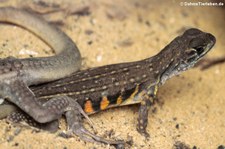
point(147, 100)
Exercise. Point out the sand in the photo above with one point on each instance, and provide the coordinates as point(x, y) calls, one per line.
point(191, 108)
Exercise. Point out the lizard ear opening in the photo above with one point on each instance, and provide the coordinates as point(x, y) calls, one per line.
point(192, 54)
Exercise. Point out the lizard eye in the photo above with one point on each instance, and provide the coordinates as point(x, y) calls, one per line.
point(199, 50)
point(198, 44)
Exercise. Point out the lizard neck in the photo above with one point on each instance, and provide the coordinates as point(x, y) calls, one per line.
point(161, 66)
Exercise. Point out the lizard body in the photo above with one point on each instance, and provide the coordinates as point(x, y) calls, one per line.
point(122, 84)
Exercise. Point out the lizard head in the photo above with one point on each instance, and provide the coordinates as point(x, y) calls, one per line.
point(198, 43)
point(186, 50)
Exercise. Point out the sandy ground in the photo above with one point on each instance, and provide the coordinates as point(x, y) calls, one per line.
point(192, 105)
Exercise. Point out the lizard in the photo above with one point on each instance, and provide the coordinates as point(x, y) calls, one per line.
point(100, 88)
point(16, 75)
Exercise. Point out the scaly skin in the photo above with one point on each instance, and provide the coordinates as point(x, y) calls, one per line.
point(122, 84)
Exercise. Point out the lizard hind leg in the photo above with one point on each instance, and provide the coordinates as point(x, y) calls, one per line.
point(75, 126)
point(19, 116)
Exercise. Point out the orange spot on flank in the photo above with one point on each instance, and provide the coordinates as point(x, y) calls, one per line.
point(88, 107)
point(119, 100)
point(104, 103)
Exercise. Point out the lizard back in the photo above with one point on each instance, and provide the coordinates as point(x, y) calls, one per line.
point(122, 84)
